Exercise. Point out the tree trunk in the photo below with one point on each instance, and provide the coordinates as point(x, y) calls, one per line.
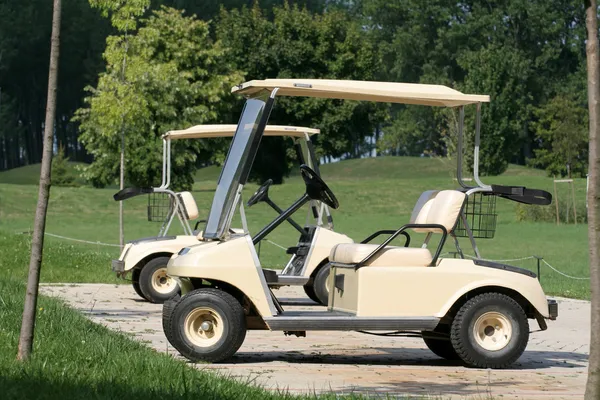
point(121, 186)
point(592, 391)
point(37, 243)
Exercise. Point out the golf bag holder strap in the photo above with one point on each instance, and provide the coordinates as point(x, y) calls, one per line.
point(524, 195)
point(128, 193)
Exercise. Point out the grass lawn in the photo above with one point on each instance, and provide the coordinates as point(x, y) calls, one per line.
point(75, 358)
point(373, 194)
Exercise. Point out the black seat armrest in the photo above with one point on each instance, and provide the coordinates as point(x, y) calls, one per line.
point(130, 192)
point(388, 232)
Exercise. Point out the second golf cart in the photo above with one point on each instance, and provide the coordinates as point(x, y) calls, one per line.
point(146, 259)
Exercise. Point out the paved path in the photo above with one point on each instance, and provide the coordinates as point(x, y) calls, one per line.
point(553, 366)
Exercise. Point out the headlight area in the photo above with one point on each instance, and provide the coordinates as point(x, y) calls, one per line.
point(184, 251)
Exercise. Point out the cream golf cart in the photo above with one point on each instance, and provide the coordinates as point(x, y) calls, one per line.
point(146, 259)
point(472, 310)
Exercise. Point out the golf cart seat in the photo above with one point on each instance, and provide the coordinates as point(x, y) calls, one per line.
point(435, 212)
point(190, 209)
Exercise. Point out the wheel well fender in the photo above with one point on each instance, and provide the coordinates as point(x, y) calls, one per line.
point(149, 257)
point(253, 317)
point(529, 309)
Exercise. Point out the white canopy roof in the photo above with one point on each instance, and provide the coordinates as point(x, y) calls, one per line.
point(217, 131)
point(387, 92)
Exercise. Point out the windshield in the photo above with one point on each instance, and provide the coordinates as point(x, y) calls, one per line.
point(237, 165)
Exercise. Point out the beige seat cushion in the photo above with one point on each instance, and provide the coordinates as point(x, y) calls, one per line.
point(390, 256)
point(189, 205)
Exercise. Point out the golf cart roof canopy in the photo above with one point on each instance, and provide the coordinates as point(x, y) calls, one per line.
point(388, 92)
point(216, 131)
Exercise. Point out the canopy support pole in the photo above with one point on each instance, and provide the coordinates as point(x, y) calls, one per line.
point(476, 150)
point(460, 145)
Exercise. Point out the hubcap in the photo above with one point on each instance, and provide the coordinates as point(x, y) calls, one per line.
point(492, 331)
point(203, 326)
point(163, 283)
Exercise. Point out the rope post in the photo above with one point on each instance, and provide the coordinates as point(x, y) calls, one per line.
point(539, 260)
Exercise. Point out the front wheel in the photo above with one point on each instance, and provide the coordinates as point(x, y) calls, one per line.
point(320, 287)
point(206, 325)
point(490, 331)
point(155, 284)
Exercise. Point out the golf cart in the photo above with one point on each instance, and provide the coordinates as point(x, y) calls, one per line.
point(470, 310)
point(146, 259)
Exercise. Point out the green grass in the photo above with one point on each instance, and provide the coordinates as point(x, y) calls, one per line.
point(74, 358)
point(373, 194)
point(30, 174)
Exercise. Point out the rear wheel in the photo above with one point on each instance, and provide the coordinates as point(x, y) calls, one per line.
point(441, 348)
point(207, 325)
point(490, 331)
point(155, 284)
point(310, 292)
point(320, 284)
point(438, 341)
point(135, 282)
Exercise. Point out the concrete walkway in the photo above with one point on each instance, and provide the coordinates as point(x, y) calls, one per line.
point(554, 365)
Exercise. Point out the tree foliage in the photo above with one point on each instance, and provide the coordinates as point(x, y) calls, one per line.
point(299, 44)
point(176, 77)
point(561, 130)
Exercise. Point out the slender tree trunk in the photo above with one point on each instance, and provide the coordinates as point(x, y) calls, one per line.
point(592, 391)
point(37, 243)
point(121, 186)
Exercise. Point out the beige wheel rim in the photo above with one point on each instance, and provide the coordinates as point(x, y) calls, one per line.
point(492, 331)
point(163, 283)
point(203, 326)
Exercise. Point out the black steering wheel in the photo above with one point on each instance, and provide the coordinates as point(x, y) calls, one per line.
point(316, 189)
point(260, 194)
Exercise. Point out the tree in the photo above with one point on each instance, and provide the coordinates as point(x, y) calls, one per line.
point(563, 140)
point(297, 43)
point(176, 77)
point(123, 16)
point(60, 172)
point(592, 390)
point(39, 225)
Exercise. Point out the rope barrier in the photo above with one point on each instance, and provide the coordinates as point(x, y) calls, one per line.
point(275, 244)
point(562, 273)
point(284, 248)
point(73, 239)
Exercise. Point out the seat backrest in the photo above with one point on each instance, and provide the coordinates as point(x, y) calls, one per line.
point(445, 209)
point(421, 209)
point(190, 209)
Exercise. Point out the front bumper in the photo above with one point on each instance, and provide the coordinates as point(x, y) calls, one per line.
point(552, 309)
point(118, 266)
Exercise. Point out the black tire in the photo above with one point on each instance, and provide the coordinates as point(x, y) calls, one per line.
point(310, 292)
point(135, 282)
point(441, 348)
point(221, 304)
point(148, 287)
point(470, 349)
point(168, 307)
point(320, 284)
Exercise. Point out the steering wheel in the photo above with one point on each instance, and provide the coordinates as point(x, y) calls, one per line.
point(260, 194)
point(316, 189)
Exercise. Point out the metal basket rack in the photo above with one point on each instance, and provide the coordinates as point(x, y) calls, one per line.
point(160, 206)
point(480, 214)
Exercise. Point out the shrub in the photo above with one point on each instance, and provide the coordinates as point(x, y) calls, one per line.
point(60, 172)
point(526, 212)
